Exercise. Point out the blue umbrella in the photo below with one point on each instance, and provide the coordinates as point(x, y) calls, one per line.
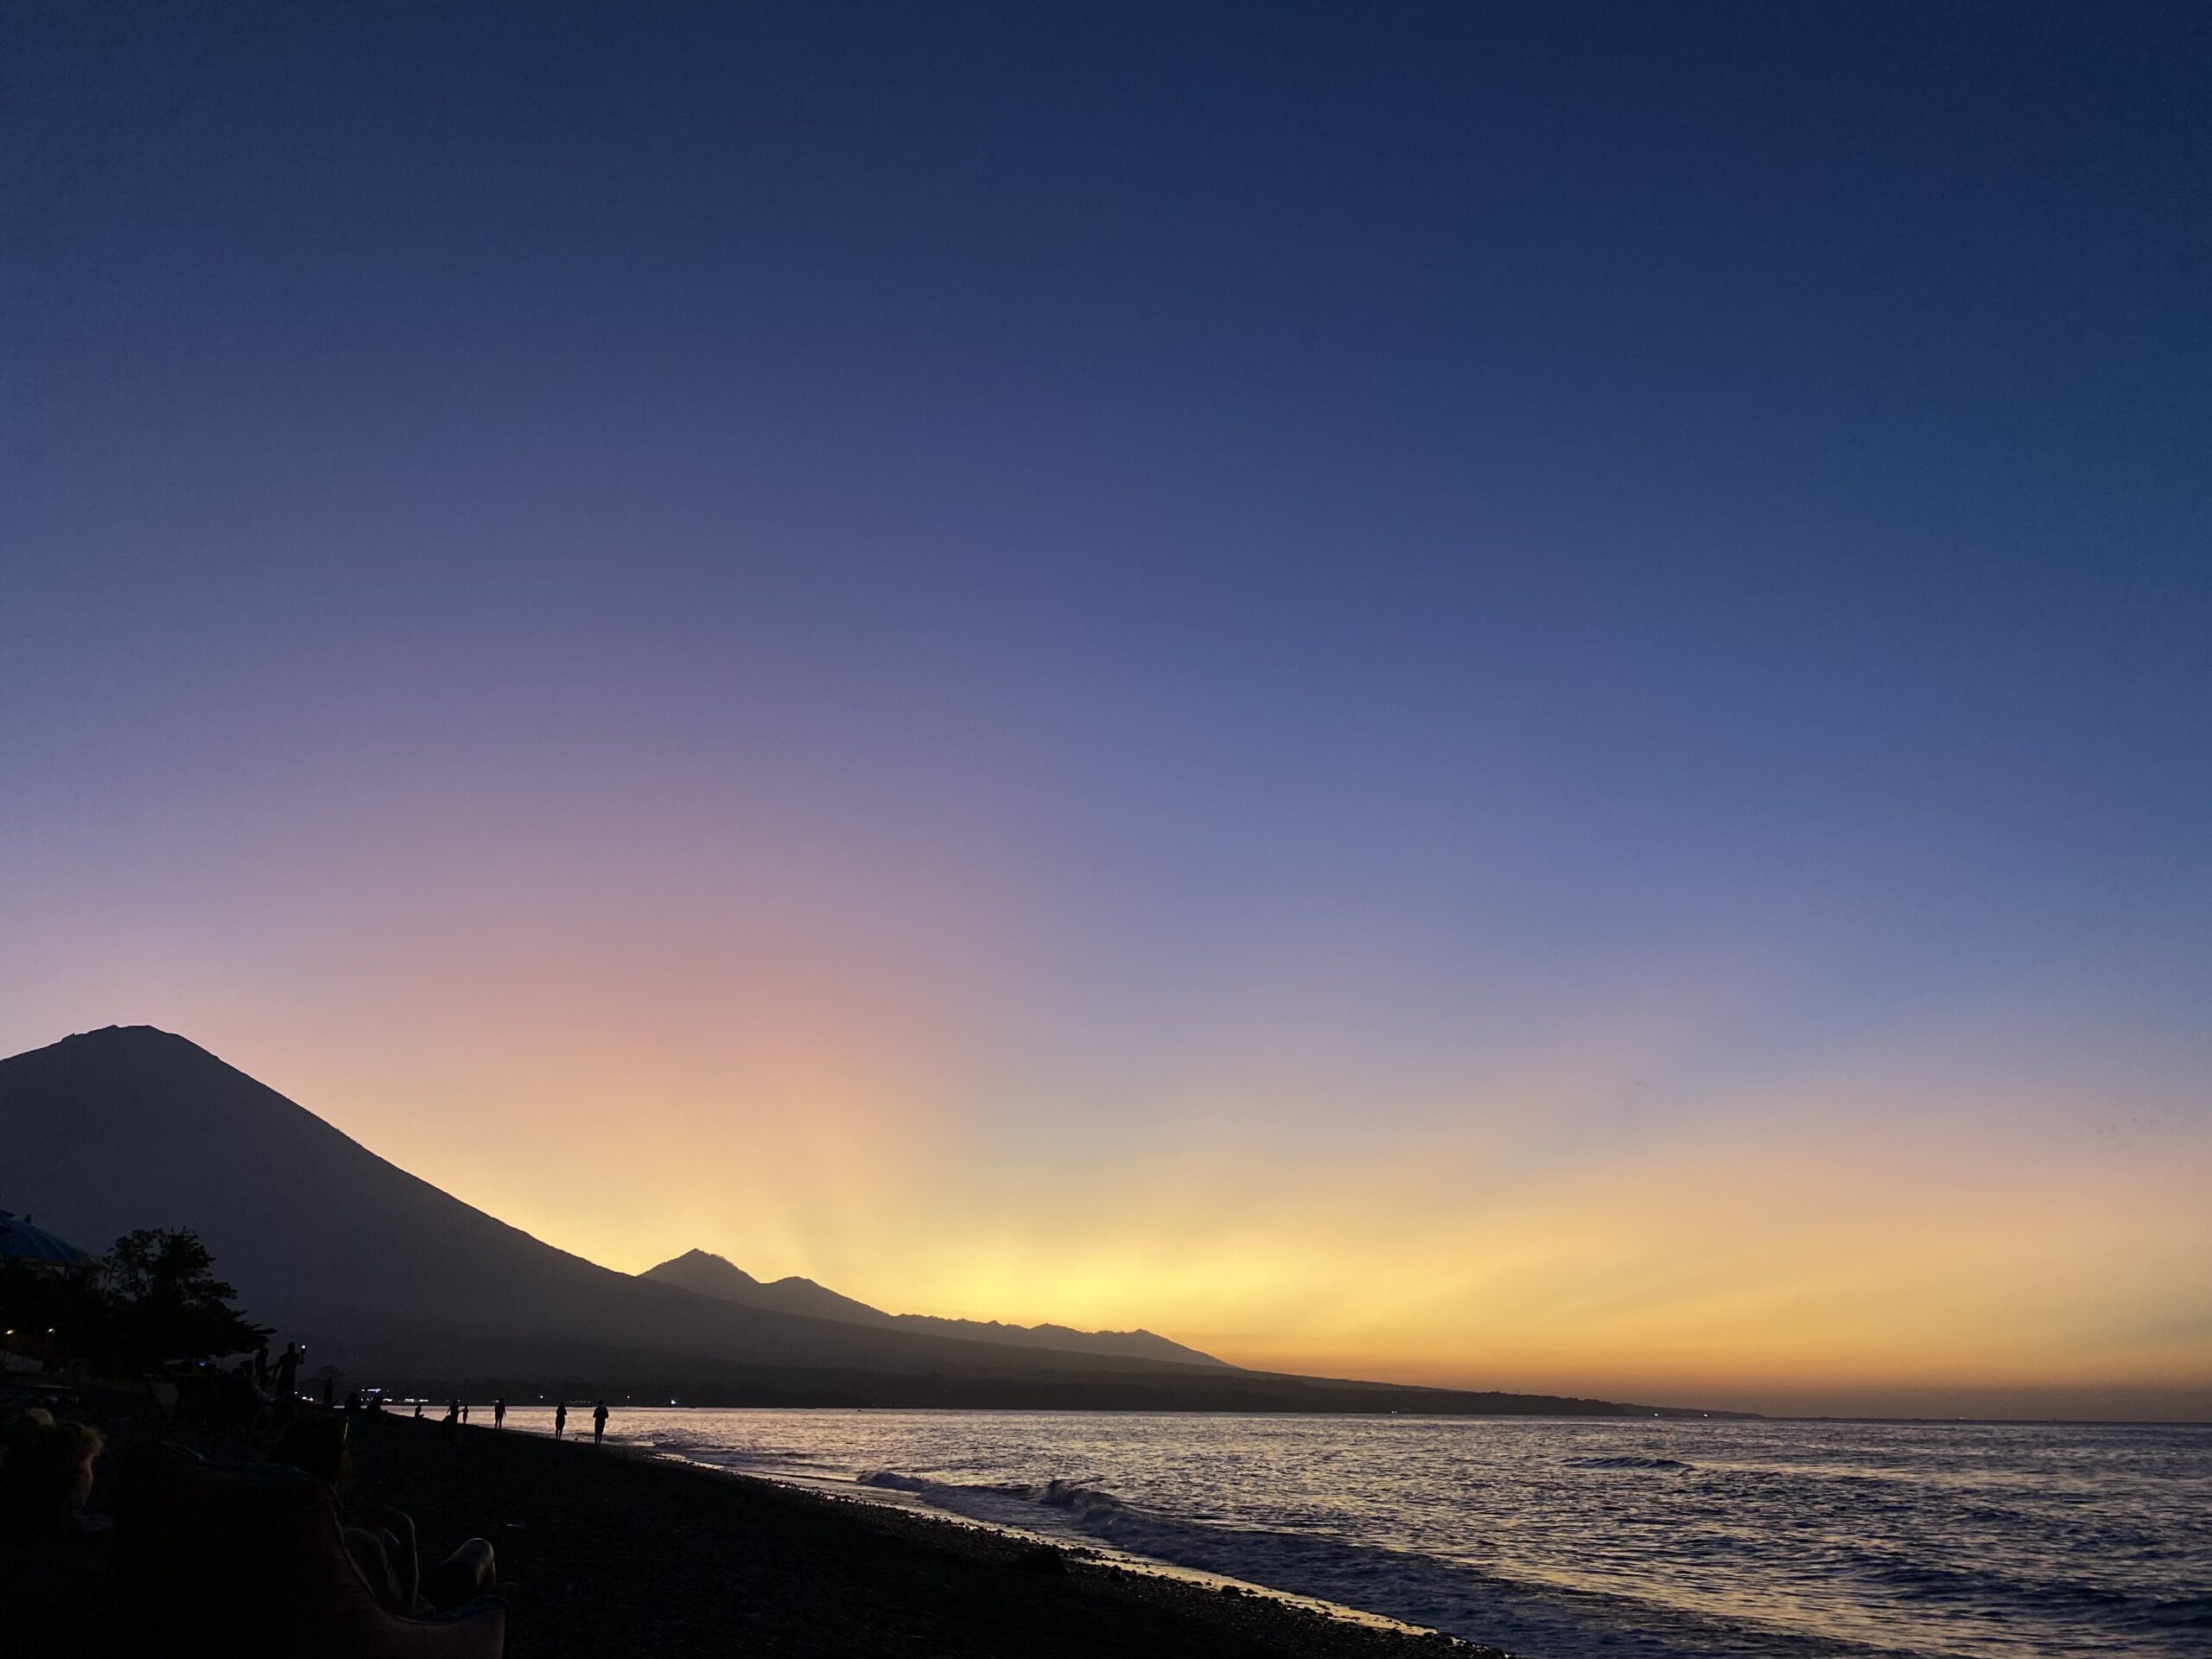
point(21, 1241)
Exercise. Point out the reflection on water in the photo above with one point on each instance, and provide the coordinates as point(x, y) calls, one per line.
point(1561, 1539)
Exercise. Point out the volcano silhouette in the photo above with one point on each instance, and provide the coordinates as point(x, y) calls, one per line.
point(392, 1280)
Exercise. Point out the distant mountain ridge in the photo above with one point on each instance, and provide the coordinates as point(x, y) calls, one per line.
point(131, 1126)
point(708, 1274)
point(716, 1275)
point(395, 1283)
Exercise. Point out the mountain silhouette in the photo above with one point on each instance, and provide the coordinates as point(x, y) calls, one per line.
point(716, 1276)
point(131, 1126)
point(397, 1282)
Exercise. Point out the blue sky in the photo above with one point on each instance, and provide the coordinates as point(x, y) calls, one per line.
point(1290, 571)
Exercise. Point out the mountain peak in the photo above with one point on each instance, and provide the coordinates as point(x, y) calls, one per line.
point(698, 1264)
point(130, 1045)
point(708, 1274)
point(705, 1274)
point(104, 1035)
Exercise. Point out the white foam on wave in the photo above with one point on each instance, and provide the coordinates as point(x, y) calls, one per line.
point(1367, 1583)
point(1574, 1540)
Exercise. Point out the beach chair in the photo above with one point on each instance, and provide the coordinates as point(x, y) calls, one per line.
point(241, 1563)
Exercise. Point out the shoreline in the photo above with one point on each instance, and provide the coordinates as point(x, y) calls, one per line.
point(620, 1548)
point(654, 1544)
point(873, 1507)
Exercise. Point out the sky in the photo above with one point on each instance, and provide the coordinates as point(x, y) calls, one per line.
point(1504, 696)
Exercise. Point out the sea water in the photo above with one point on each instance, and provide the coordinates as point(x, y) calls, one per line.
point(1573, 1539)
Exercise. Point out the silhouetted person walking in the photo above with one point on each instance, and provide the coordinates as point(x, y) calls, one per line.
point(560, 1419)
point(419, 1411)
point(599, 1423)
point(464, 1413)
point(499, 1414)
point(288, 1371)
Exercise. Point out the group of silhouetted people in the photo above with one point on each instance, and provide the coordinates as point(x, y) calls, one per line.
point(457, 1416)
point(252, 1395)
point(598, 1421)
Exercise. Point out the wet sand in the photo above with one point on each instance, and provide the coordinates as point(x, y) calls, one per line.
point(604, 1551)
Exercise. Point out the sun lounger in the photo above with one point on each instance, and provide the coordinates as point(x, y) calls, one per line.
point(238, 1562)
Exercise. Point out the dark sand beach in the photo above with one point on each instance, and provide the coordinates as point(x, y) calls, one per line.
point(606, 1551)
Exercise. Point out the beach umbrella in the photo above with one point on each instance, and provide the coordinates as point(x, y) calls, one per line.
point(21, 1241)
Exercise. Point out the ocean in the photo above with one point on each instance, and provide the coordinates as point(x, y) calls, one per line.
point(1571, 1538)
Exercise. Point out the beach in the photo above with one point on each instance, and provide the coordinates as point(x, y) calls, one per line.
point(607, 1550)
point(711, 1532)
point(1571, 1538)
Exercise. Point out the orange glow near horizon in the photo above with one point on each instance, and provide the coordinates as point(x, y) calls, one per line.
point(1552, 1219)
point(811, 1062)
point(1426, 692)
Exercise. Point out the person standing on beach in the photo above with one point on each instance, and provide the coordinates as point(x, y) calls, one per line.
point(599, 1423)
point(499, 1414)
point(288, 1371)
point(464, 1413)
point(560, 1419)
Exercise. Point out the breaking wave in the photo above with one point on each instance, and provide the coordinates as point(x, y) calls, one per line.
point(1398, 1584)
point(1578, 1539)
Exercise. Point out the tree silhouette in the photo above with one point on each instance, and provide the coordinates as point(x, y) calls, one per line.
point(166, 1303)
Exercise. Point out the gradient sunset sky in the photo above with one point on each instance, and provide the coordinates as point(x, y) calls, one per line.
point(1512, 695)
